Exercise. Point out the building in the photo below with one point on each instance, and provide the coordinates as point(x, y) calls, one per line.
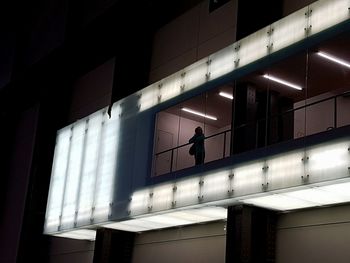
point(96, 147)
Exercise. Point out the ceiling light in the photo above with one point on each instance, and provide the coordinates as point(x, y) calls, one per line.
point(226, 95)
point(334, 59)
point(199, 114)
point(281, 81)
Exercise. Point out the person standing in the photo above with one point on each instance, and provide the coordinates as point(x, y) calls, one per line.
point(198, 141)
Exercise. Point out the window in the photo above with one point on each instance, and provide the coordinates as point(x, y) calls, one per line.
point(212, 111)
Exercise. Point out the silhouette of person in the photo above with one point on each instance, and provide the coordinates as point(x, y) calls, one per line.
point(198, 141)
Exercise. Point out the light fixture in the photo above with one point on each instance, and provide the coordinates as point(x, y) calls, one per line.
point(226, 95)
point(334, 59)
point(200, 114)
point(283, 82)
point(82, 234)
point(171, 219)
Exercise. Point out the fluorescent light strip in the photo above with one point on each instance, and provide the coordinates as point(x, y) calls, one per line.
point(281, 81)
point(334, 59)
point(226, 95)
point(200, 114)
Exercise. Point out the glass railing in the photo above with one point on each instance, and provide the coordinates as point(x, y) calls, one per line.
point(310, 118)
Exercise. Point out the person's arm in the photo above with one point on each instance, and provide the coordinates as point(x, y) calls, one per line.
point(193, 139)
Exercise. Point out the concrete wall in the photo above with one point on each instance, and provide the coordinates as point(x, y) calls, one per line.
point(198, 243)
point(63, 250)
point(317, 235)
point(192, 36)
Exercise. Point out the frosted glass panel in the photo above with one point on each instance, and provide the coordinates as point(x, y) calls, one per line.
point(58, 177)
point(326, 13)
point(285, 170)
point(106, 168)
point(89, 172)
point(248, 179)
point(289, 30)
point(328, 162)
point(216, 186)
point(170, 87)
point(140, 202)
point(162, 197)
point(187, 192)
point(73, 175)
point(253, 47)
point(222, 62)
point(148, 97)
point(196, 74)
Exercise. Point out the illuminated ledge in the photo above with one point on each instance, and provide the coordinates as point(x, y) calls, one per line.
point(304, 198)
point(308, 177)
point(81, 234)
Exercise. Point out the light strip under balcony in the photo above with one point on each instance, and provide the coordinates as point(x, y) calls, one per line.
point(199, 114)
point(333, 59)
point(283, 82)
point(226, 95)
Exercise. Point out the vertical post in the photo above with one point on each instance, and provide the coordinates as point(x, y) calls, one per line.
point(335, 112)
point(113, 246)
point(223, 155)
point(171, 160)
point(251, 234)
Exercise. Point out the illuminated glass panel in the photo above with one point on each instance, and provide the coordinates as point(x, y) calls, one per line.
point(140, 202)
point(73, 175)
point(285, 170)
point(162, 197)
point(253, 47)
point(248, 179)
point(171, 87)
point(196, 74)
point(187, 192)
point(222, 62)
point(106, 167)
point(58, 177)
point(328, 162)
point(289, 30)
point(326, 13)
point(148, 97)
point(89, 172)
point(216, 185)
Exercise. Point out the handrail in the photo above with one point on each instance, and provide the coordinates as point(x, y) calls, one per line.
point(347, 93)
point(257, 121)
point(180, 146)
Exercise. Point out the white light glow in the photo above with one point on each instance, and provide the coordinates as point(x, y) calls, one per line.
point(334, 59)
point(226, 95)
point(279, 202)
point(171, 219)
point(341, 190)
point(283, 82)
point(315, 195)
point(199, 114)
point(83, 234)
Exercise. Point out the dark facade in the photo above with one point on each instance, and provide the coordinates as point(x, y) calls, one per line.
point(59, 57)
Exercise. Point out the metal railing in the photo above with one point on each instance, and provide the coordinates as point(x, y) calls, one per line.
point(173, 158)
point(256, 126)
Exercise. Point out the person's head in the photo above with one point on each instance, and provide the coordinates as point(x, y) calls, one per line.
point(198, 130)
